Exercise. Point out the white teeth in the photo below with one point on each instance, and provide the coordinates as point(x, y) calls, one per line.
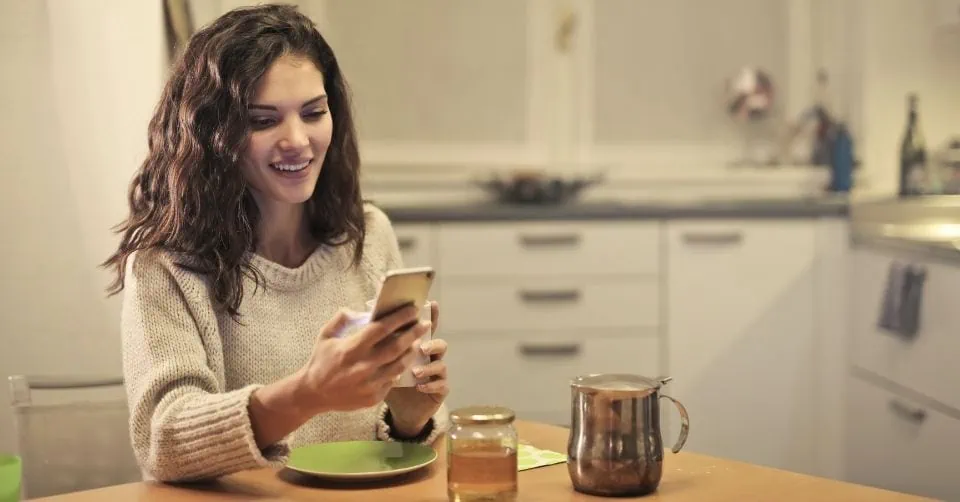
point(290, 167)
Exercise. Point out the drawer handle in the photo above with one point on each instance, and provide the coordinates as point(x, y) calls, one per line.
point(911, 413)
point(406, 243)
point(713, 238)
point(556, 240)
point(558, 295)
point(561, 349)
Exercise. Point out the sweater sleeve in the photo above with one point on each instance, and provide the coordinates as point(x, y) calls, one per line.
point(184, 426)
point(437, 426)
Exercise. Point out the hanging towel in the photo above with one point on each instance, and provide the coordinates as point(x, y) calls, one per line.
point(911, 306)
point(902, 302)
point(892, 297)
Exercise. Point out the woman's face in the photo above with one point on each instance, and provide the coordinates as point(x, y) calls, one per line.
point(291, 127)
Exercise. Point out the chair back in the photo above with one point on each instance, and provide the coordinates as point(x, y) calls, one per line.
point(72, 433)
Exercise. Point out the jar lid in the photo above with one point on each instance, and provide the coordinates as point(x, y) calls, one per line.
point(491, 415)
point(619, 384)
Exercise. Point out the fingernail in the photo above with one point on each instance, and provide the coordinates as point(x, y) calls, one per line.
point(418, 371)
point(425, 348)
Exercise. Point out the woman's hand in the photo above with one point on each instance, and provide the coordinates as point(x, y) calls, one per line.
point(412, 407)
point(358, 371)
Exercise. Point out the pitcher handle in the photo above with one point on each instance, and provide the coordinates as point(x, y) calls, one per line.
point(684, 424)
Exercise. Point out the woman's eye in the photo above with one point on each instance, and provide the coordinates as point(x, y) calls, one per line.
point(261, 122)
point(315, 115)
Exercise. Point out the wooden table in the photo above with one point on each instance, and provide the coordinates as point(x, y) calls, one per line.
point(687, 477)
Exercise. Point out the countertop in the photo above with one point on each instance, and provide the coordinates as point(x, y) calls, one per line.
point(620, 210)
point(687, 477)
point(923, 226)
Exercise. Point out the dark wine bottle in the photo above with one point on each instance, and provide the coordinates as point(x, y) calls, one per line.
point(913, 153)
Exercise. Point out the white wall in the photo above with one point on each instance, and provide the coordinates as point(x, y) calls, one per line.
point(900, 52)
point(83, 82)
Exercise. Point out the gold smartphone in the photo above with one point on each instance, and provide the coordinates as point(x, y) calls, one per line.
point(402, 287)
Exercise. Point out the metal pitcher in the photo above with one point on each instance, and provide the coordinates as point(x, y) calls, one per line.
point(615, 446)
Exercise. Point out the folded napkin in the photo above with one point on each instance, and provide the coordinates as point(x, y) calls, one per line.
point(530, 457)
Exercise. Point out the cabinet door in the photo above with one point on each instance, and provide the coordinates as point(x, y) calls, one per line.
point(438, 81)
point(898, 443)
point(926, 362)
point(741, 325)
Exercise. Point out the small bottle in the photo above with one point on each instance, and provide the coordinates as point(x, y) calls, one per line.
point(913, 153)
point(482, 455)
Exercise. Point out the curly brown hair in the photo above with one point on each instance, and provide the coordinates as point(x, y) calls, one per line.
point(189, 197)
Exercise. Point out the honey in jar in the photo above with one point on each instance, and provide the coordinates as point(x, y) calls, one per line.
point(482, 455)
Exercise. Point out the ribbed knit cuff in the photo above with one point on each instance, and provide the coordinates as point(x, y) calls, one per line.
point(212, 436)
point(428, 435)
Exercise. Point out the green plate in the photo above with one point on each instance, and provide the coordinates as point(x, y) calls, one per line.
point(360, 460)
point(10, 472)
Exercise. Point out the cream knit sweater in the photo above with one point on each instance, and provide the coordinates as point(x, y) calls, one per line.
point(189, 371)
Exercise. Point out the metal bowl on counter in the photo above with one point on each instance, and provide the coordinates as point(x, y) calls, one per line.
point(529, 186)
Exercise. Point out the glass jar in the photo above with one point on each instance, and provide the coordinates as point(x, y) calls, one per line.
point(482, 455)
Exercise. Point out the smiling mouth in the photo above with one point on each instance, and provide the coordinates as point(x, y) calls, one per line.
point(291, 168)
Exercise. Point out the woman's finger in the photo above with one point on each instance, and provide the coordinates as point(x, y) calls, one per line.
point(434, 349)
point(378, 331)
point(389, 371)
point(400, 345)
point(435, 369)
point(434, 387)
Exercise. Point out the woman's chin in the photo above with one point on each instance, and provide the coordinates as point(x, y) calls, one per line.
point(284, 197)
point(297, 199)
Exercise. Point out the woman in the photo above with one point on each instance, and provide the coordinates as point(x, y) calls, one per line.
point(247, 236)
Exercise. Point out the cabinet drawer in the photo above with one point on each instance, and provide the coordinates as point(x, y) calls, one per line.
point(531, 372)
point(549, 303)
point(567, 248)
point(926, 362)
point(896, 443)
point(417, 244)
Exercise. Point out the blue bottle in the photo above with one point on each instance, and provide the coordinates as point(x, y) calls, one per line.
point(841, 160)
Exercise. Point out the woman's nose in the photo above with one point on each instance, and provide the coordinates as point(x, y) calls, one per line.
point(294, 135)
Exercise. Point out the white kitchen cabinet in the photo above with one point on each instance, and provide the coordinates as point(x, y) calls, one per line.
point(530, 370)
point(926, 362)
point(741, 323)
point(527, 307)
point(902, 409)
point(900, 441)
point(747, 316)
